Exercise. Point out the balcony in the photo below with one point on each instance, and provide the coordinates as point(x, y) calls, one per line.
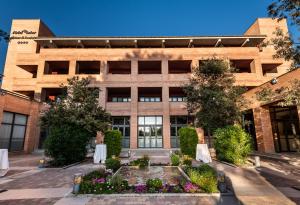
point(176, 94)
point(270, 69)
point(51, 94)
point(87, 67)
point(56, 67)
point(119, 67)
point(118, 95)
point(179, 66)
point(150, 94)
point(242, 66)
point(149, 67)
point(30, 70)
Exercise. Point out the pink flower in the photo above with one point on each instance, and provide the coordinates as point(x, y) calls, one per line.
point(190, 188)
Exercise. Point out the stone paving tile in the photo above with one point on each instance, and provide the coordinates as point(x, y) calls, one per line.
point(161, 200)
point(49, 178)
point(30, 201)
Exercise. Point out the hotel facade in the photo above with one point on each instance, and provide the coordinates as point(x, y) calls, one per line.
point(139, 78)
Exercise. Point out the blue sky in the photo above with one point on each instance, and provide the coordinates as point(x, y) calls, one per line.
point(136, 17)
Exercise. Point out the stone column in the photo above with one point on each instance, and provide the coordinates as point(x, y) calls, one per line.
point(31, 140)
point(72, 67)
point(103, 97)
point(134, 106)
point(40, 71)
point(263, 129)
point(134, 118)
point(166, 106)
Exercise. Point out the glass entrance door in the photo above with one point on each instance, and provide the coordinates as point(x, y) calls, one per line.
point(285, 125)
point(150, 132)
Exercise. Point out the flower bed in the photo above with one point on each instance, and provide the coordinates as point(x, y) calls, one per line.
point(203, 179)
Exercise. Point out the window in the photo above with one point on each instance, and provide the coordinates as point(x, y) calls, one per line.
point(269, 68)
point(51, 94)
point(12, 131)
point(56, 67)
point(119, 67)
point(179, 66)
point(176, 94)
point(31, 69)
point(118, 94)
point(150, 132)
point(88, 67)
point(153, 94)
point(242, 66)
point(149, 67)
point(177, 122)
point(123, 125)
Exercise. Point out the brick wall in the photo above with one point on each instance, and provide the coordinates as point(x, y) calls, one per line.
point(11, 103)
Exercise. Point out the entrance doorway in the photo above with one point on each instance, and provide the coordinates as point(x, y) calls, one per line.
point(285, 126)
point(150, 132)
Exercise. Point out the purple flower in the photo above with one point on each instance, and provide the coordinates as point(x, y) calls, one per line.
point(100, 180)
point(140, 188)
point(190, 188)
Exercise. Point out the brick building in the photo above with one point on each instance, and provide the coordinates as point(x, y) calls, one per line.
point(139, 77)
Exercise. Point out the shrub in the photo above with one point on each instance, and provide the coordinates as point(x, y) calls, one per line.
point(113, 141)
point(142, 162)
point(188, 141)
point(232, 144)
point(119, 183)
point(66, 144)
point(187, 160)
point(154, 184)
point(175, 160)
point(113, 163)
point(95, 175)
point(205, 177)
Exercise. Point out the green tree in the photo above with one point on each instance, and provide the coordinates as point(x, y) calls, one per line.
point(212, 96)
point(77, 108)
point(284, 45)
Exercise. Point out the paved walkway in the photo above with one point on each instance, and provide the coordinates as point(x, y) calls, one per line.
point(283, 174)
point(252, 189)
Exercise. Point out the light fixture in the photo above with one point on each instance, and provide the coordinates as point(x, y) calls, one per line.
point(76, 182)
point(274, 81)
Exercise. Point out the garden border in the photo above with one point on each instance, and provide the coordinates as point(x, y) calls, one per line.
point(154, 194)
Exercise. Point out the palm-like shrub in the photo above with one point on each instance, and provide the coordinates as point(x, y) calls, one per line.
point(188, 141)
point(232, 144)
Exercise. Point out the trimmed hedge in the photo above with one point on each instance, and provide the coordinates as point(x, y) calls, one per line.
point(188, 141)
point(113, 141)
point(232, 144)
point(66, 144)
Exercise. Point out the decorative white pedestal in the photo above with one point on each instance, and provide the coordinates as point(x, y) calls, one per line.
point(202, 153)
point(4, 164)
point(100, 153)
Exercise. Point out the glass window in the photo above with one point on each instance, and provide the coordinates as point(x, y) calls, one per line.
point(5, 136)
point(12, 131)
point(159, 131)
point(150, 120)
point(141, 131)
point(20, 119)
point(182, 120)
point(141, 121)
point(159, 120)
point(7, 117)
